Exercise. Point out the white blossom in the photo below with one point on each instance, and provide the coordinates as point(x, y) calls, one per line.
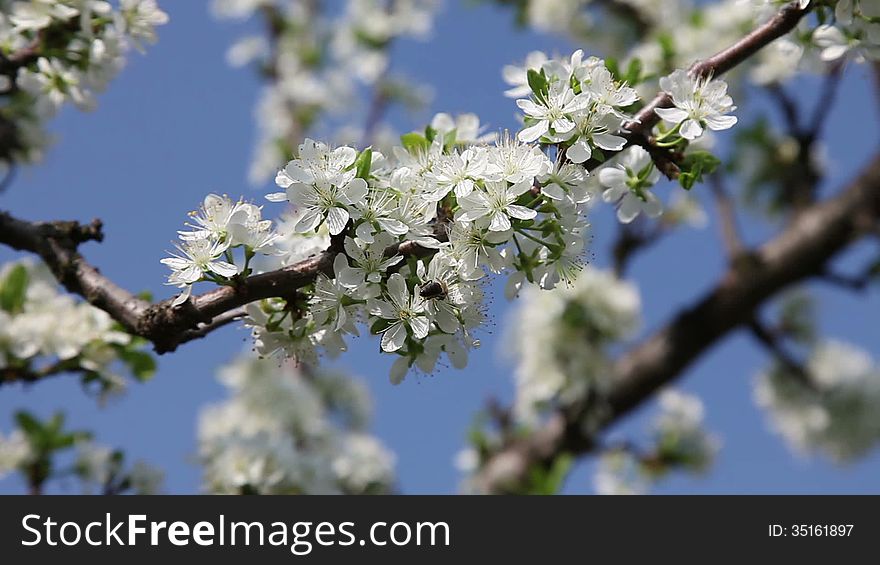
point(836, 412)
point(405, 312)
point(551, 115)
point(15, 451)
point(497, 204)
point(628, 184)
point(699, 103)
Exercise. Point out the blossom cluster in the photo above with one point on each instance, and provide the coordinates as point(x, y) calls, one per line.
point(855, 32)
point(679, 442)
point(15, 452)
point(64, 51)
point(561, 340)
point(44, 331)
point(206, 252)
point(290, 429)
point(473, 208)
point(316, 63)
point(832, 408)
point(579, 106)
point(419, 227)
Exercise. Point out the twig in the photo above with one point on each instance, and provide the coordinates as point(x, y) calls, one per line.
point(783, 22)
point(772, 342)
point(788, 107)
point(730, 235)
point(10, 375)
point(9, 177)
point(631, 239)
point(857, 283)
point(825, 102)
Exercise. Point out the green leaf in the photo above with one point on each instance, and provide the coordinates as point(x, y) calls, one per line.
point(613, 66)
point(145, 295)
point(13, 289)
point(414, 142)
point(538, 83)
point(141, 363)
point(694, 166)
point(32, 427)
point(549, 480)
point(449, 139)
point(363, 163)
point(557, 473)
point(430, 133)
point(633, 72)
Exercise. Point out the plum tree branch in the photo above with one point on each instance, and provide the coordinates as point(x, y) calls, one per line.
point(168, 327)
point(801, 251)
point(783, 22)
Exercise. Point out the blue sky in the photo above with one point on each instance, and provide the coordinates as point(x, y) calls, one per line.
point(177, 124)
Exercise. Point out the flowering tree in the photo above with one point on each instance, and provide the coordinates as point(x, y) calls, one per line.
point(396, 236)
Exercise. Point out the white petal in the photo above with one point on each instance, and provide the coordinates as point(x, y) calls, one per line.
point(553, 191)
point(500, 222)
point(533, 133)
point(671, 115)
point(612, 177)
point(530, 108)
point(521, 212)
point(397, 288)
point(579, 152)
point(721, 122)
point(691, 129)
point(651, 206)
point(175, 263)
point(308, 221)
point(392, 226)
point(182, 297)
point(562, 125)
point(277, 197)
point(399, 370)
point(337, 218)
point(223, 268)
point(364, 232)
point(382, 309)
point(609, 141)
point(356, 190)
point(630, 207)
point(420, 326)
point(350, 278)
point(394, 337)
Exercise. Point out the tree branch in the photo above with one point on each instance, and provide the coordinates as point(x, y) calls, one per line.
point(783, 22)
point(56, 243)
point(801, 251)
point(167, 326)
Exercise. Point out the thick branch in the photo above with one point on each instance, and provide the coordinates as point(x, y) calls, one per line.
point(801, 251)
point(56, 243)
point(166, 326)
